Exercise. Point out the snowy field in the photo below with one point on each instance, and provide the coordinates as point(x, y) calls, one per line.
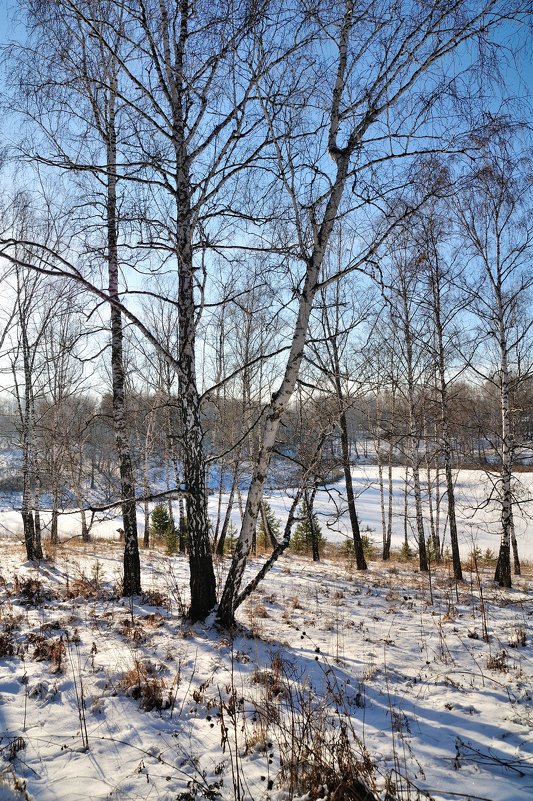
point(477, 518)
point(478, 521)
point(333, 680)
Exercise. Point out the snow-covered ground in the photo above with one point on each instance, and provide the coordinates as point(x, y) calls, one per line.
point(477, 516)
point(478, 520)
point(333, 677)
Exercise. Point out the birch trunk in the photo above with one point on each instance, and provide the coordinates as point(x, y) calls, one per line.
point(37, 531)
point(310, 501)
point(313, 261)
point(281, 398)
point(390, 454)
point(227, 516)
point(514, 545)
point(32, 537)
point(132, 566)
point(385, 552)
point(445, 437)
point(85, 530)
point(503, 567)
point(278, 403)
point(413, 438)
point(202, 575)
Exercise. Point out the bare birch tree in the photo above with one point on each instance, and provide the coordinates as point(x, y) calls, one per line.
point(444, 306)
point(494, 214)
point(342, 374)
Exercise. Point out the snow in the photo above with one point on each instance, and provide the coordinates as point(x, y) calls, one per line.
point(427, 702)
point(106, 698)
point(478, 519)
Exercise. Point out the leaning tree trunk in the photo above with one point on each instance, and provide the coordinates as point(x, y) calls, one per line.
point(281, 398)
point(273, 412)
point(313, 262)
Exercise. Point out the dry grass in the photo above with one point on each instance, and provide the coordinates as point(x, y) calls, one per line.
point(48, 649)
point(143, 683)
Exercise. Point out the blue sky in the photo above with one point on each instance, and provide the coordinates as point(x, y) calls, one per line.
point(8, 28)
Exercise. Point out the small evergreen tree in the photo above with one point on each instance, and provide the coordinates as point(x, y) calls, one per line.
point(230, 540)
point(308, 537)
point(406, 552)
point(274, 526)
point(162, 527)
point(348, 551)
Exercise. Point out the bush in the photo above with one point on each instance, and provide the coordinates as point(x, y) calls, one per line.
point(368, 545)
point(7, 645)
point(432, 552)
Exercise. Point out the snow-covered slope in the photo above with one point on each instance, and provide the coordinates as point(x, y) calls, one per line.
point(334, 678)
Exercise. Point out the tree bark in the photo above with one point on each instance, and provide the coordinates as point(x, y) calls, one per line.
point(132, 566)
point(350, 496)
point(445, 443)
point(503, 566)
point(413, 438)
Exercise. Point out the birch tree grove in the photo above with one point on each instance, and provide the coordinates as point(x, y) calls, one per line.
point(206, 135)
point(405, 292)
point(442, 280)
point(384, 64)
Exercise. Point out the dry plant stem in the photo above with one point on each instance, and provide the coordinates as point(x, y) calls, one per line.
point(482, 608)
point(430, 580)
point(79, 691)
